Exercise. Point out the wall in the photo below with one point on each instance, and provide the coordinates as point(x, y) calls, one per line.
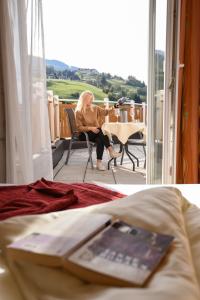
point(188, 124)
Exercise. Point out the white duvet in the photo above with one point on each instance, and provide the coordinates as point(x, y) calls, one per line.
point(158, 209)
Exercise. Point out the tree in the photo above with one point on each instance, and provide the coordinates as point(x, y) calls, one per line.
point(137, 99)
point(49, 70)
point(112, 97)
point(118, 88)
point(105, 90)
point(159, 61)
point(123, 93)
point(142, 91)
point(108, 76)
point(118, 77)
point(103, 81)
point(131, 95)
point(74, 95)
point(134, 82)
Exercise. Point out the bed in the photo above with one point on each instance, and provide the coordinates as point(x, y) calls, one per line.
point(172, 210)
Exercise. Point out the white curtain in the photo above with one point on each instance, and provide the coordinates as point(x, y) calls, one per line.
point(28, 146)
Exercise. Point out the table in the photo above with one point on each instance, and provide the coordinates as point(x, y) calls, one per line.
point(123, 131)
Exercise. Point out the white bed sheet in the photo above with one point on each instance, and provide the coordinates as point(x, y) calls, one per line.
point(190, 191)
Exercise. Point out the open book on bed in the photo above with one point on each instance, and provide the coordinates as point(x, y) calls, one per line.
point(96, 248)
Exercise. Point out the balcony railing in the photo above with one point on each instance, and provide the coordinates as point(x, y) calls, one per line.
point(58, 121)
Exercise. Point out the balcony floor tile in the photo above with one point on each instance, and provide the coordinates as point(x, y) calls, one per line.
point(74, 170)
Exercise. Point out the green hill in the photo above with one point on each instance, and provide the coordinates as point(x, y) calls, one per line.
point(116, 83)
point(70, 89)
point(68, 84)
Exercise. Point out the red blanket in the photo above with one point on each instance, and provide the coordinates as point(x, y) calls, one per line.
point(45, 196)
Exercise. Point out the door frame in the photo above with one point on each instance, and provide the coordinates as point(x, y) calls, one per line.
point(150, 92)
point(170, 92)
point(171, 88)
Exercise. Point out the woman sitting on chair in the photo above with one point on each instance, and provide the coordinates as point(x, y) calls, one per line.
point(88, 118)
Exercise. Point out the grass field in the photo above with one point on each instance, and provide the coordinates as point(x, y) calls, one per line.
point(66, 88)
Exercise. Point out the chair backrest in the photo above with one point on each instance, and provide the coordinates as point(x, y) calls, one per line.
point(72, 120)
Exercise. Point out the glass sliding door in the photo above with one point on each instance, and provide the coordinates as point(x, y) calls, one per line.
point(161, 94)
point(156, 79)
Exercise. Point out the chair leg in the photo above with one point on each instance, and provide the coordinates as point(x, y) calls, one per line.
point(91, 161)
point(109, 162)
point(90, 149)
point(86, 169)
point(68, 153)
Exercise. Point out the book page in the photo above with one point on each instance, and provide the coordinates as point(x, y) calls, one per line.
point(62, 237)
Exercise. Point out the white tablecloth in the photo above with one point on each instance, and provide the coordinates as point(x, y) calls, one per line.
point(123, 130)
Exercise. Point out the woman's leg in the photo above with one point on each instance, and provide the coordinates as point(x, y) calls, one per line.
point(106, 143)
point(101, 140)
point(105, 139)
point(94, 137)
point(99, 151)
point(99, 147)
point(91, 136)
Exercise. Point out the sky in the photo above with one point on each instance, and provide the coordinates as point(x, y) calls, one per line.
point(108, 35)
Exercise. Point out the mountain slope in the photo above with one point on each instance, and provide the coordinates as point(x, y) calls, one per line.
point(59, 65)
point(71, 89)
point(56, 64)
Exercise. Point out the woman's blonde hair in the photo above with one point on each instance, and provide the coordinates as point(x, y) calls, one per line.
point(81, 101)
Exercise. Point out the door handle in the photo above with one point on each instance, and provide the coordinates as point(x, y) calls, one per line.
point(171, 85)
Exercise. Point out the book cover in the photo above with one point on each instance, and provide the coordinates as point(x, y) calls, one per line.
point(128, 253)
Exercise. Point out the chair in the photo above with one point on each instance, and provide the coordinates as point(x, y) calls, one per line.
point(136, 140)
point(75, 139)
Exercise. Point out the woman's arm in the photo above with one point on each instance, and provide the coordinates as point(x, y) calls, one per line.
point(102, 112)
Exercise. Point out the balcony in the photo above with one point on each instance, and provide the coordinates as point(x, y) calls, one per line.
point(75, 170)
